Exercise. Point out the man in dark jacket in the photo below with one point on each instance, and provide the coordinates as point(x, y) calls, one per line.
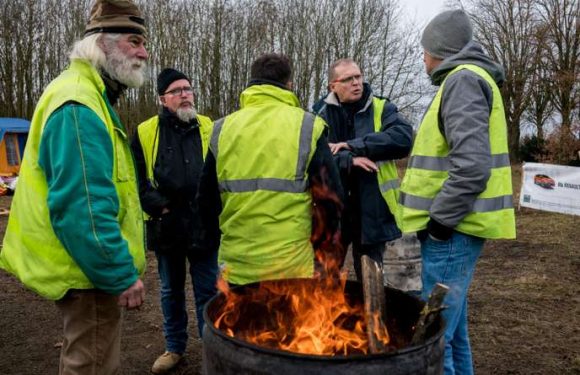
point(366, 135)
point(169, 152)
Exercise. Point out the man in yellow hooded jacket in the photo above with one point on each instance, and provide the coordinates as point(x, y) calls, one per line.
point(256, 192)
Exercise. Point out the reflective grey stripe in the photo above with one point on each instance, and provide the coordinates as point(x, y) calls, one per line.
point(413, 201)
point(298, 185)
point(480, 204)
point(273, 184)
point(215, 136)
point(493, 204)
point(389, 185)
point(434, 163)
point(305, 144)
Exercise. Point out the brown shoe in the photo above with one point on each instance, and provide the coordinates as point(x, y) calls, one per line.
point(165, 362)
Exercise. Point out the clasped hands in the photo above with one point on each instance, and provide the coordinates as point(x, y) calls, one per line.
point(357, 161)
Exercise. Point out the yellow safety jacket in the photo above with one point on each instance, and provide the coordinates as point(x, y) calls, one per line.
point(492, 214)
point(262, 155)
point(148, 132)
point(387, 175)
point(31, 249)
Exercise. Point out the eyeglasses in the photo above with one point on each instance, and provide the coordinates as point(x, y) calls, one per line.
point(351, 79)
point(179, 91)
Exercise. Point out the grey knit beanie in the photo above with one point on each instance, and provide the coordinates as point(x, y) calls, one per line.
point(447, 34)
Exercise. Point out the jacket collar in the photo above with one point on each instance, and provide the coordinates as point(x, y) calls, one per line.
point(263, 93)
point(88, 71)
point(332, 99)
point(111, 88)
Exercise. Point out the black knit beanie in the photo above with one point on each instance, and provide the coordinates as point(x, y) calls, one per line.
point(167, 77)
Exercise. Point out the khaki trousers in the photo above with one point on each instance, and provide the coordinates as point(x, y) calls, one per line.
point(92, 333)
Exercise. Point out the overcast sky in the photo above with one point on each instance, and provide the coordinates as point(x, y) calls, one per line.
point(422, 10)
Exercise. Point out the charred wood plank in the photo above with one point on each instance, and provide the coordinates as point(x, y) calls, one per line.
point(375, 305)
point(430, 311)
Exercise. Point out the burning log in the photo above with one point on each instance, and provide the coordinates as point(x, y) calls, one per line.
point(375, 305)
point(430, 311)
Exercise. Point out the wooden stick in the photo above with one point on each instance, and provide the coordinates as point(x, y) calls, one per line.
point(375, 304)
point(430, 312)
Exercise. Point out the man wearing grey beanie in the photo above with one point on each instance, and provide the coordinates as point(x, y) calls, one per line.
point(457, 190)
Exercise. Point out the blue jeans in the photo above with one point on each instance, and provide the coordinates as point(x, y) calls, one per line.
point(452, 263)
point(203, 271)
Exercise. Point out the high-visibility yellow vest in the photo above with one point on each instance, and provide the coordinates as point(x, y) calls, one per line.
point(387, 175)
point(31, 249)
point(148, 132)
point(262, 155)
point(492, 214)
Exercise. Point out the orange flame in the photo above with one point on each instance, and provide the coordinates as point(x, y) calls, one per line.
point(303, 315)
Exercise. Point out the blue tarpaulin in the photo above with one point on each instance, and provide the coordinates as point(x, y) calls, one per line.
point(13, 125)
point(18, 126)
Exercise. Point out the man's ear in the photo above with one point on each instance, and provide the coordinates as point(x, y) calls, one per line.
point(162, 100)
point(289, 85)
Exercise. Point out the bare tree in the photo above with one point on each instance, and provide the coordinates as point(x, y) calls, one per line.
point(215, 41)
point(541, 107)
point(561, 18)
point(506, 29)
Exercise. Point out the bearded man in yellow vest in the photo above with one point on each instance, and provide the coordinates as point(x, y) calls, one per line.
point(169, 150)
point(75, 233)
point(457, 189)
point(256, 195)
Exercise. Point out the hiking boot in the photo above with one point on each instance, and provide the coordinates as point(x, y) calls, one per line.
point(165, 362)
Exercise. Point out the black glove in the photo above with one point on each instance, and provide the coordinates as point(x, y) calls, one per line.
point(439, 231)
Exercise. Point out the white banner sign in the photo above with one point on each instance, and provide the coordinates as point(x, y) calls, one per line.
point(548, 187)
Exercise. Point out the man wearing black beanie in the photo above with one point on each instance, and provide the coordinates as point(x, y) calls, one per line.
point(457, 189)
point(169, 152)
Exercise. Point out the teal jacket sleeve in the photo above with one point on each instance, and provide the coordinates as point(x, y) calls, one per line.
point(76, 155)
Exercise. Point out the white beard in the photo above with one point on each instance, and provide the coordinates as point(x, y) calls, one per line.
point(130, 72)
point(186, 114)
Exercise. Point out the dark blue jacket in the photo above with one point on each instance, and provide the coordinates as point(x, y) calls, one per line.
point(366, 217)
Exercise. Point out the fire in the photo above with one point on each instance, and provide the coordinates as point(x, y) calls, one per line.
point(303, 315)
point(297, 316)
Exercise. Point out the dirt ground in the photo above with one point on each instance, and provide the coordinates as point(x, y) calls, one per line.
point(524, 310)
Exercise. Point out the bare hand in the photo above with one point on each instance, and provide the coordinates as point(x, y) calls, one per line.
point(133, 297)
point(336, 147)
point(365, 163)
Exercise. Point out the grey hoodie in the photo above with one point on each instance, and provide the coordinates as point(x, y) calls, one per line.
point(464, 121)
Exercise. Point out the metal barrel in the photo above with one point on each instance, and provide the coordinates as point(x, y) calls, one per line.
point(225, 355)
point(402, 264)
